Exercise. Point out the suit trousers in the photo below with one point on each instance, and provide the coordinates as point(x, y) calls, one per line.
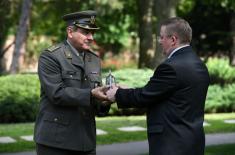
point(47, 150)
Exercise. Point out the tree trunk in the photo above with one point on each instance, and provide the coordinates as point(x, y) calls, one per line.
point(21, 36)
point(4, 9)
point(146, 51)
point(163, 9)
point(232, 32)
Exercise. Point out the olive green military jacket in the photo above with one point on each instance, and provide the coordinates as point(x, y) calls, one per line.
point(67, 111)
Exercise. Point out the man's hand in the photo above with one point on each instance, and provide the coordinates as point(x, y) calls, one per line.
point(111, 93)
point(122, 86)
point(100, 93)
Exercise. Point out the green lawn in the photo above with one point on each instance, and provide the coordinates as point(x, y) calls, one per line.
point(109, 124)
point(228, 149)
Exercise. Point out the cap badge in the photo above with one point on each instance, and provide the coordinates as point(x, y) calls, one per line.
point(92, 20)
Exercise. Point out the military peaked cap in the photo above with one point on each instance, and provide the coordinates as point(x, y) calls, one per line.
point(83, 19)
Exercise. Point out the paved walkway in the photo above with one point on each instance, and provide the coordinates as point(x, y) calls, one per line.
point(141, 147)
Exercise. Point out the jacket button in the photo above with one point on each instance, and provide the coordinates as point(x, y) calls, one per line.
point(55, 119)
point(71, 76)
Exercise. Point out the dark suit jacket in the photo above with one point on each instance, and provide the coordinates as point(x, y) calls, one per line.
point(67, 112)
point(175, 97)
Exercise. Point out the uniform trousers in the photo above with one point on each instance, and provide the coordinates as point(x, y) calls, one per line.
point(47, 150)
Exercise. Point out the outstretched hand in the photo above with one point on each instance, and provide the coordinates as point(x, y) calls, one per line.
point(100, 93)
point(111, 93)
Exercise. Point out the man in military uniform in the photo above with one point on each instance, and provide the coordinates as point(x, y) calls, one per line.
point(70, 74)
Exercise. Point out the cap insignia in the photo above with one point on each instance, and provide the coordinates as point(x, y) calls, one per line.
point(92, 20)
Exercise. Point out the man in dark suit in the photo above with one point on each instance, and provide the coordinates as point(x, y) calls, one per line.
point(174, 96)
point(69, 75)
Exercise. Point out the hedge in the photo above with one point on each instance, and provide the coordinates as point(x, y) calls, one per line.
point(19, 98)
point(20, 94)
point(220, 99)
point(220, 71)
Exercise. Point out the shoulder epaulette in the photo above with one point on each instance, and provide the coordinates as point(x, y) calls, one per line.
point(53, 48)
point(92, 52)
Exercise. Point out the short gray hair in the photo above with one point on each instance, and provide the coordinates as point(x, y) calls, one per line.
point(73, 27)
point(180, 27)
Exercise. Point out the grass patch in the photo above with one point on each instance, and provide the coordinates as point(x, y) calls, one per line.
point(16, 130)
point(217, 124)
point(109, 124)
point(16, 147)
point(226, 149)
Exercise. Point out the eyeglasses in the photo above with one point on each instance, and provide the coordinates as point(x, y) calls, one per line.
point(160, 38)
point(85, 32)
point(82, 31)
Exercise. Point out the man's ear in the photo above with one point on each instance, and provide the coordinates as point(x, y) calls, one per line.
point(69, 32)
point(174, 39)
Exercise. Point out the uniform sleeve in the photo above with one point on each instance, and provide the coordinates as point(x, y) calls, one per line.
point(101, 109)
point(52, 85)
point(160, 86)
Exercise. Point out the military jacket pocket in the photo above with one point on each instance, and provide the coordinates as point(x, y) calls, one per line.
point(54, 118)
point(72, 78)
point(54, 127)
point(95, 80)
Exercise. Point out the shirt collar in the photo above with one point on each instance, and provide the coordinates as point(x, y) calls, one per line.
point(74, 50)
point(178, 48)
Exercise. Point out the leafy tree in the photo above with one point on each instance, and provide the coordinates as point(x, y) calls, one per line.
point(4, 11)
point(116, 20)
point(146, 49)
point(151, 14)
point(21, 36)
point(163, 10)
point(232, 51)
point(9, 10)
point(212, 24)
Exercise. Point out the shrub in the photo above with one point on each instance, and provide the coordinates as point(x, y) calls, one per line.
point(220, 99)
point(131, 78)
point(20, 95)
point(19, 98)
point(220, 71)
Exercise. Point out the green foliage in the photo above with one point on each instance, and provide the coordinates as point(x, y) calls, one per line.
point(226, 149)
point(186, 5)
point(8, 10)
point(36, 44)
point(220, 99)
point(128, 77)
point(117, 19)
point(220, 71)
point(19, 95)
point(19, 98)
point(209, 34)
point(114, 19)
point(47, 16)
point(133, 77)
